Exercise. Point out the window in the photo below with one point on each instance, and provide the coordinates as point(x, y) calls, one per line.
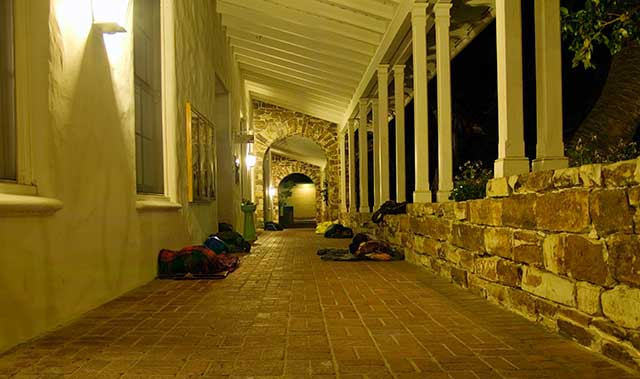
point(7, 94)
point(201, 157)
point(148, 100)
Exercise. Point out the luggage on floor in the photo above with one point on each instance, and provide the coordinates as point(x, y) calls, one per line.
point(338, 231)
point(234, 241)
point(197, 262)
point(322, 227)
point(217, 245)
point(389, 207)
point(224, 227)
point(272, 226)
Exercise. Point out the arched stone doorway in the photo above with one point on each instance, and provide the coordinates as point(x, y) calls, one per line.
point(298, 201)
point(273, 124)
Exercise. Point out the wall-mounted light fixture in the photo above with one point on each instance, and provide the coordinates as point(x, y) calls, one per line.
point(251, 160)
point(110, 16)
point(272, 192)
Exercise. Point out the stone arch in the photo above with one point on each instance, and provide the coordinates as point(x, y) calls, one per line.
point(271, 124)
point(281, 168)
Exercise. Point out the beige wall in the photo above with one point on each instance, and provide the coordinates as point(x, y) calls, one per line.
point(80, 115)
point(303, 200)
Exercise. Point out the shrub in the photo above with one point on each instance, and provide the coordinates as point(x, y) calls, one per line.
point(471, 183)
point(590, 151)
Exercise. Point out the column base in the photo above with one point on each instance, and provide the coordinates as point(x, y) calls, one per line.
point(422, 197)
point(550, 163)
point(364, 210)
point(443, 196)
point(510, 166)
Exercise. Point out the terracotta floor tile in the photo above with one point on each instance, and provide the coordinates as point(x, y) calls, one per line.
point(286, 314)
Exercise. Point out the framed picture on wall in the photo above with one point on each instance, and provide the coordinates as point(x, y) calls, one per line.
point(201, 156)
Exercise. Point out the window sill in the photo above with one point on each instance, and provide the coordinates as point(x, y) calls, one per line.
point(146, 203)
point(26, 205)
point(11, 188)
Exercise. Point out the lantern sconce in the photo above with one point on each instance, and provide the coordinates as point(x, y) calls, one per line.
point(251, 161)
point(109, 16)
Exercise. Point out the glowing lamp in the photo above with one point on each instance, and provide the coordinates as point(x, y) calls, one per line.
point(110, 16)
point(272, 192)
point(251, 160)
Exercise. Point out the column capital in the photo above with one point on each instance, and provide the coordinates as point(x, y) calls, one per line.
point(383, 68)
point(398, 69)
point(419, 11)
point(442, 11)
point(374, 102)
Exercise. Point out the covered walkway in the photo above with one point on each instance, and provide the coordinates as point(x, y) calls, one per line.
point(285, 313)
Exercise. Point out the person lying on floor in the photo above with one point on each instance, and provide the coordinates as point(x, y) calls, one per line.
point(363, 247)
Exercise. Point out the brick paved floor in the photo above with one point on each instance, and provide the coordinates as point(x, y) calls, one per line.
point(287, 314)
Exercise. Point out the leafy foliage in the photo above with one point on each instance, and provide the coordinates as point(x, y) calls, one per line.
point(471, 183)
point(612, 23)
point(590, 151)
point(285, 191)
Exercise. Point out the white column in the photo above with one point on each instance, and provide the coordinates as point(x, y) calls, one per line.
point(383, 127)
point(443, 63)
point(511, 159)
point(550, 149)
point(420, 101)
point(266, 179)
point(352, 167)
point(398, 83)
point(343, 172)
point(364, 158)
point(376, 154)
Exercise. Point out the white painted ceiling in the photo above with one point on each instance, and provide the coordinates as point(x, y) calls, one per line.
point(300, 148)
point(319, 57)
point(306, 55)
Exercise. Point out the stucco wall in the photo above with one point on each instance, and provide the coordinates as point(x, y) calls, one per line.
point(54, 268)
point(560, 247)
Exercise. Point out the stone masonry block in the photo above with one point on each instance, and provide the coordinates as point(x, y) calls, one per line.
point(624, 257)
point(620, 174)
point(566, 177)
point(578, 257)
point(499, 241)
point(486, 212)
point(549, 286)
point(622, 306)
point(527, 247)
point(433, 227)
point(540, 181)
point(634, 196)
point(591, 175)
point(576, 332)
point(468, 237)
point(487, 268)
point(588, 297)
point(461, 210)
point(610, 212)
point(621, 353)
point(498, 187)
point(518, 211)
point(563, 211)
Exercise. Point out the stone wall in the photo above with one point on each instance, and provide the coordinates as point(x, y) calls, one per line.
point(271, 124)
point(560, 247)
point(283, 167)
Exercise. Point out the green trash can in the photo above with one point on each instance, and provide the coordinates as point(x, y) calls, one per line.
point(249, 226)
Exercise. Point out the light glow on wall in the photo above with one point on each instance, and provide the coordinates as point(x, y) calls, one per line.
point(272, 192)
point(251, 160)
point(110, 15)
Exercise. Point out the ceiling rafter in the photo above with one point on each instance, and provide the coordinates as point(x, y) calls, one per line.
point(330, 66)
point(309, 20)
point(248, 17)
point(316, 70)
point(311, 84)
point(277, 82)
point(350, 83)
point(383, 10)
point(303, 48)
point(339, 14)
point(293, 94)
